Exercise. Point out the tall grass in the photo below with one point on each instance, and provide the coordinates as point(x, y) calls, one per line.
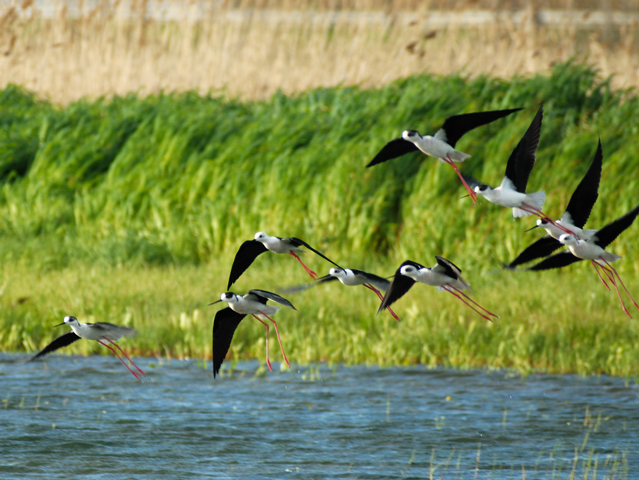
point(253, 49)
point(130, 210)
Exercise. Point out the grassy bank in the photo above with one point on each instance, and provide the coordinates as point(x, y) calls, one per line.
point(131, 210)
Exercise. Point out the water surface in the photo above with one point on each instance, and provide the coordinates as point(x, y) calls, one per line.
point(87, 417)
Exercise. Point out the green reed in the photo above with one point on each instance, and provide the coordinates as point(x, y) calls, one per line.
point(130, 210)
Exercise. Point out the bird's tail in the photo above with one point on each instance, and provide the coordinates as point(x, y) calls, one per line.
point(535, 200)
point(457, 156)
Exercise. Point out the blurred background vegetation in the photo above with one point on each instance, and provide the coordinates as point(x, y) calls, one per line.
point(126, 193)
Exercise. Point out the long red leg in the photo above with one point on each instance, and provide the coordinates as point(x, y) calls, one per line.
point(381, 297)
point(472, 194)
point(308, 270)
point(268, 362)
point(611, 277)
point(120, 358)
point(542, 215)
point(472, 301)
point(594, 264)
point(452, 292)
point(278, 337)
point(614, 272)
point(127, 357)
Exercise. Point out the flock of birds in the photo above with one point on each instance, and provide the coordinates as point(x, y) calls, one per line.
point(583, 244)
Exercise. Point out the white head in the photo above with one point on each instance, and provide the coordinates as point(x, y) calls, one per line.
point(482, 189)
point(541, 222)
point(69, 320)
point(569, 240)
point(228, 297)
point(409, 271)
point(337, 272)
point(261, 236)
point(410, 135)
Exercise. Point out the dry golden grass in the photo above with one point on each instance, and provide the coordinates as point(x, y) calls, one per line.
point(251, 52)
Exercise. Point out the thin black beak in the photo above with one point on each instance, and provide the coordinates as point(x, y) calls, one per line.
point(218, 301)
point(532, 228)
point(464, 196)
point(59, 324)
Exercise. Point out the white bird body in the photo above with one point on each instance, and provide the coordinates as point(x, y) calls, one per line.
point(275, 244)
point(588, 250)
point(555, 231)
point(248, 305)
point(435, 277)
point(434, 146)
point(507, 196)
point(98, 331)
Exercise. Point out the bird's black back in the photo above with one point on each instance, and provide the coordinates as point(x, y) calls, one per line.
point(587, 192)
point(522, 159)
point(301, 243)
point(224, 325)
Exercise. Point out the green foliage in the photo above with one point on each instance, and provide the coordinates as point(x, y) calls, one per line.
point(180, 180)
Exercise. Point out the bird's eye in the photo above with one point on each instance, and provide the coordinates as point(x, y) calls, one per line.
point(481, 188)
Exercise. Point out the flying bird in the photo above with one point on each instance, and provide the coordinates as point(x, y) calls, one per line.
point(442, 144)
point(512, 190)
point(100, 331)
point(445, 275)
point(227, 320)
point(251, 249)
point(593, 249)
point(573, 219)
point(352, 277)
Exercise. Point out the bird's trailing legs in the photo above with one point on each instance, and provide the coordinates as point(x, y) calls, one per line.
point(268, 362)
point(308, 270)
point(469, 301)
point(127, 357)
point(381, 297)
point(535, 211)
point(472, 194)
point(120, 358)
point(277, 332)
point(611, 273)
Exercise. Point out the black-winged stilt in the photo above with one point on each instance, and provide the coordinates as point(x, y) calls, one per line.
point(593, 249)
point(227, 320)
point(573, 219)
point(442, 144)
point(262, 242)
point(445, 275)
point(100, 331)
point(352, 277)
point(512, 190)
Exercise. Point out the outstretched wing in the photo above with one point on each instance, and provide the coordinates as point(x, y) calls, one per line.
point(456, 126)
point(263, 296)
point(587, 192)
point(62, 341)
point(301, 243)
point(372, 279)
point(397, 288)
point(562, 259)
point(306, 286)
point(451, 270)
point(541, 248)
point(393, 149)
point(607, 234)
point(522, 159)
point(247, 253)
point(224, 325)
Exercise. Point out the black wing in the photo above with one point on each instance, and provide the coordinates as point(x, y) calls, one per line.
point(397, 288)
point(62, 341)
point(393, 149)
point(452, 270)
point(562, 259)
point(247, 253)
point(299, 243)
point(607, 234)
point(541, 248)
point(522, 160)
point(306, 286)
point(372, 279)
point(456, 126)
point(585, 196)
point(262, 296)
point(224, 325)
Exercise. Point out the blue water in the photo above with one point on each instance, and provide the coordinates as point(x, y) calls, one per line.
point(87, 417)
